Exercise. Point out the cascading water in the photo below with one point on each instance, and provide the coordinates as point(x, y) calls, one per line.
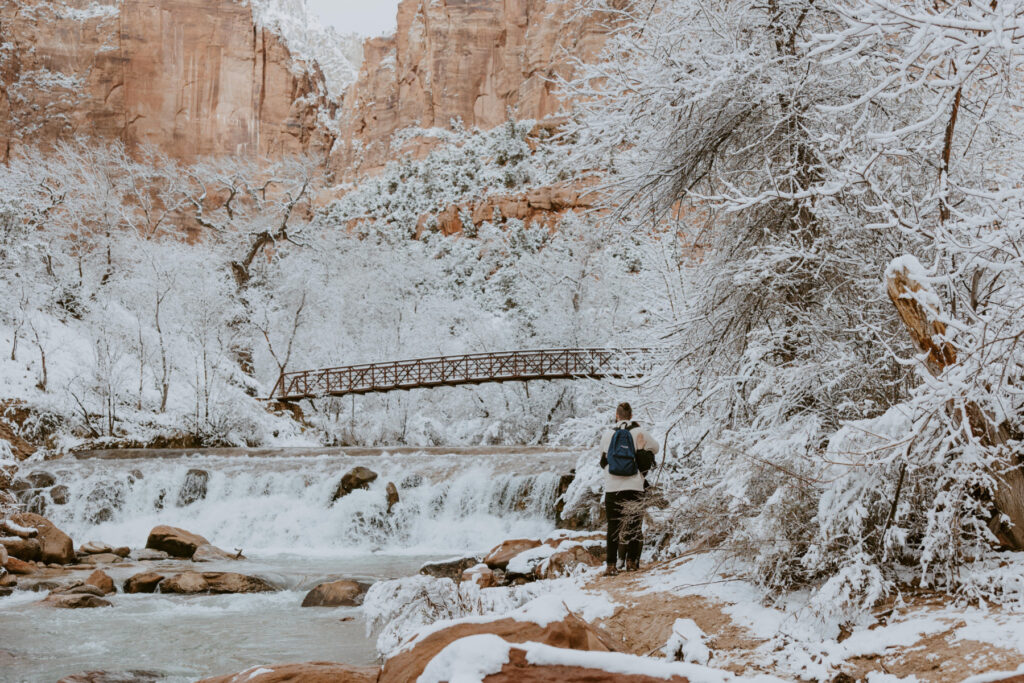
point(283, 505)
point(279, 510)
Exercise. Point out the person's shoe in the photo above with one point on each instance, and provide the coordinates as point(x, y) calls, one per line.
point(632, 566)
point(611, 570)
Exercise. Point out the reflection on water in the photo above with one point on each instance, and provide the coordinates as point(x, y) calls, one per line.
point(279, 510)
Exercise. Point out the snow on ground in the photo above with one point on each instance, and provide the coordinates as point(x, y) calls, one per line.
point(921, 634)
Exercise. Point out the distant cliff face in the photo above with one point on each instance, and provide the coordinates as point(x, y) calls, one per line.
point(474, 60)
point(193, 77)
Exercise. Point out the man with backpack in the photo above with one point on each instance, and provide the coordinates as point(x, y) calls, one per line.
point(627, 454)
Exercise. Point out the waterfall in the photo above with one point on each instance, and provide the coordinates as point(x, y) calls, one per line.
point(283, 505)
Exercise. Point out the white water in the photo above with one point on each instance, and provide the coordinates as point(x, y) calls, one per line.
point(279, 511)
point(282, 505)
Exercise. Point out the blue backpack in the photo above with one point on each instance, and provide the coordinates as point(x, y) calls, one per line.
point(622, 454)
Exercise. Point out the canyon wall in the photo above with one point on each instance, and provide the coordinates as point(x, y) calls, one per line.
point(194, 78)
point(478, 61)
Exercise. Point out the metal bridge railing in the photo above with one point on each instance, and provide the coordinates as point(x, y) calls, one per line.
point(474, 368)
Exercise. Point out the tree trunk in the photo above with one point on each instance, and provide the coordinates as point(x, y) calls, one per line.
point(929, 335)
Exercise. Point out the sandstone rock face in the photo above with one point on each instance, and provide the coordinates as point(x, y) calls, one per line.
point(309, 672)
point(194, 77)
point(499, 557)
point(56, 546)
point(336, 594)
point(185, 583)
point(174, 541)
point(453, 59)
point(101, 580)
point(572, 632)
point(146, 582)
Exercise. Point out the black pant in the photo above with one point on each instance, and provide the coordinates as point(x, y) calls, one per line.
point(625, 527)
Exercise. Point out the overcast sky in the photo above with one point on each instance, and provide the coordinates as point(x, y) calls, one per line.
point(366, 17)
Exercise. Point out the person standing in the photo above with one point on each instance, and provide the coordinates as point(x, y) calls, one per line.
point(627, 454)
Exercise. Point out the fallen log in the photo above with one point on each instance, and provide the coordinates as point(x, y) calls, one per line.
point(920, 309)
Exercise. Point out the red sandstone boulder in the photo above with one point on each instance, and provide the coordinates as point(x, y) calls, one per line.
point(481, 575)
point(189, 583)
point(211, 553)
point(75, 601)
point(174, 541)
point(55, 546)
point(565, 561)
point(572, 632)
point(101, 580)
point(16, 566)
point(26, 549)
point(309, 672)
point(499, 557)
point(146, 582)
point(336, 594)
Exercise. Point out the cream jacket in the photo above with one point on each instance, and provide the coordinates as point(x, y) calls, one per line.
point(641, 439)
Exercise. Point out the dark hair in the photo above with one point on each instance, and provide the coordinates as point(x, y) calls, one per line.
point(623, 411)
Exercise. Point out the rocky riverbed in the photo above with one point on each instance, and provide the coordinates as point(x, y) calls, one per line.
point(203, 564)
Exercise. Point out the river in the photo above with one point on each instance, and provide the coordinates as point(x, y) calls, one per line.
point(276, 507)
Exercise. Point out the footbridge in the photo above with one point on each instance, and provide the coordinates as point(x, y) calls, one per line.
point(450, 371)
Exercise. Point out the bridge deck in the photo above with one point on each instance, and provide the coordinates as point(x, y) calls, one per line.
point(446, 371)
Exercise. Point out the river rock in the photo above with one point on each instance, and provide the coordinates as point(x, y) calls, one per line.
point(343, 593)
point(59, 495)
point(210, 553)
point(27, 549)
point(146, 582)
point(133, 676)
point(174, 541)
point(56, 546)
point(75, 601)
point(186, 583)
point(9, 528)
point(101, 580)
point(449, 569)
point(571, 632)
point(356, 478)
point(149, 554)
point(500, 556)
point(79, 588)
point(564, 562)
point(3, 556)
point(41, 480)
point(95, 548)
point(16, 566)
point(309, 672)
point(214, 582)
point(102, 558)
point(482, 575)
point(194, 487)
point(392, 493)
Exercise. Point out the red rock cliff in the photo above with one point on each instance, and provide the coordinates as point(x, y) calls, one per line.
point(193, 77)
point(474, 60)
